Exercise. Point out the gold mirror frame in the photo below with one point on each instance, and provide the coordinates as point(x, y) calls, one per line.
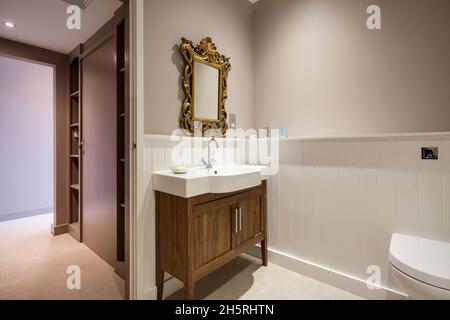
point(205, 52)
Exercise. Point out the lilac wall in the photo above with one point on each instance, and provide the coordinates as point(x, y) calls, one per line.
point(26, 137)
point(320, 72)
point(228, 22)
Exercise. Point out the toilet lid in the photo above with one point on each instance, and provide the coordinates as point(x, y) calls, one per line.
point(425, 260)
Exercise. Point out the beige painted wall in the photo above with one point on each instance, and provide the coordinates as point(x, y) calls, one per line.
point(229, 23)
point(320, 71)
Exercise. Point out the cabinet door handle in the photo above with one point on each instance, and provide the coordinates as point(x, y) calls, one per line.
point(240, 219)
point(236, 228)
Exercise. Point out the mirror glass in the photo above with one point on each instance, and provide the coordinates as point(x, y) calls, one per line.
point(206, 92)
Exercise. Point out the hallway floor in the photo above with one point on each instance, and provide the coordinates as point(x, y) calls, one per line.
point(246, 279)
point(33, 264)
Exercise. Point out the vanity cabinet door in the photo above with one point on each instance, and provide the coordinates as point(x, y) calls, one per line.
point(249, 219)
point(213, 234)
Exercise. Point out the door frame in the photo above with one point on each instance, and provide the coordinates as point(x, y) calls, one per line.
point(59, 63)
point(136, 96)
point(105, 33)
point(61, 115)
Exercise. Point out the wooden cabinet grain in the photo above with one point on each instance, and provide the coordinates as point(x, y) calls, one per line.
point(198, 235)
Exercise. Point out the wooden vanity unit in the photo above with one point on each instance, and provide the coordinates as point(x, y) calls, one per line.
point(195, 236)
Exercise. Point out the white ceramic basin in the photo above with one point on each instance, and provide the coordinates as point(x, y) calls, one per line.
point(198, 181)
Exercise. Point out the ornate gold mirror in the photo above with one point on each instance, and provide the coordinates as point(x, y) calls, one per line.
point(205, 86)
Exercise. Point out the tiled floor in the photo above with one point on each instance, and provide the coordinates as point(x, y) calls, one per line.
point(245, 278)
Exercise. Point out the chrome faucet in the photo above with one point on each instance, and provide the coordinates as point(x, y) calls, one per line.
point(208, 164)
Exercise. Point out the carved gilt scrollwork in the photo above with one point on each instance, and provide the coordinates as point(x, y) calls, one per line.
point(204, 52)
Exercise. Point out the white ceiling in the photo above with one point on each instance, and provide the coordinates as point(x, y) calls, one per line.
point(42, 23)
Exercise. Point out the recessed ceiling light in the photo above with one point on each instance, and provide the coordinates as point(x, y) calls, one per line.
point(9, 24)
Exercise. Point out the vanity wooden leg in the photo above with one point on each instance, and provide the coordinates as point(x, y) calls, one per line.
point(189, 291)
point(264, 253)
point(159, 270)
point(159, 283)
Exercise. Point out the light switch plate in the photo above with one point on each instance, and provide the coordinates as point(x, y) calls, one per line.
point(232, 121)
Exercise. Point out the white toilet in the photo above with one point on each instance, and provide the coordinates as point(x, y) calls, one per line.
point(421, 267)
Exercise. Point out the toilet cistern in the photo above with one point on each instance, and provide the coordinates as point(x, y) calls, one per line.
point(208, 164)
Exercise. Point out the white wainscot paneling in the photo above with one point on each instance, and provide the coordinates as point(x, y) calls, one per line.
point(445, 158)
point(158, 155)
point(336, 202)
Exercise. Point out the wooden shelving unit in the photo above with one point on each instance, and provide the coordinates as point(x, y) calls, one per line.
point(85, 127)
point(74, 153)
point(122, 145)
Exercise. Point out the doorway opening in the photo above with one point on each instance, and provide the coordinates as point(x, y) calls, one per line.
point(27, 131)
point(96, 217)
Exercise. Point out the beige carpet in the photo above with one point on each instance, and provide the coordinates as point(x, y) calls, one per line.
point(33, 264)
point(246, 279)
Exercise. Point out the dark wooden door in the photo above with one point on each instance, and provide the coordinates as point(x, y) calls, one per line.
point(99, 175)
point(249, 219)
point(213, 234)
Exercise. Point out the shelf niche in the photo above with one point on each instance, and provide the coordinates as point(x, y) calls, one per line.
point(74, 152)
point(121, 142)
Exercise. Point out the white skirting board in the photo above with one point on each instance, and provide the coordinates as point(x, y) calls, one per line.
point(25, 214)
point(329, 276)
point(319, 273)
point(171, 285)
